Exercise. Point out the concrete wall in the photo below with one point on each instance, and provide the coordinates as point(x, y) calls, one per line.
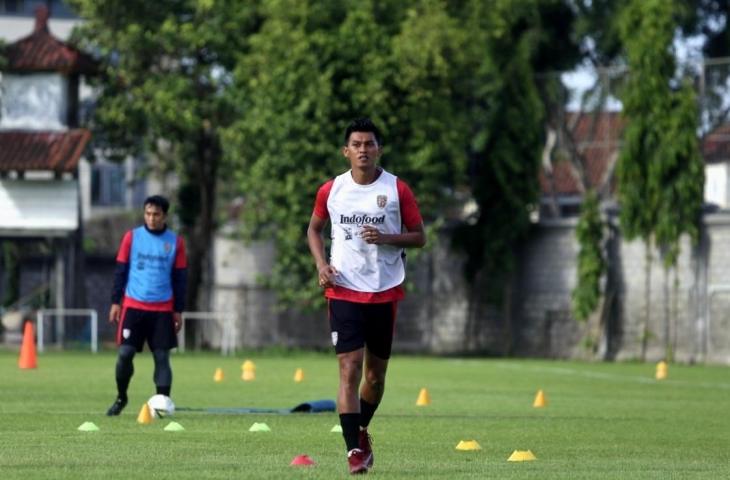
point(444, 315)
point(688, 306)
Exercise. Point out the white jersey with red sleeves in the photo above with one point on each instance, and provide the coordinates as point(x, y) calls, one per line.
point(365, 267)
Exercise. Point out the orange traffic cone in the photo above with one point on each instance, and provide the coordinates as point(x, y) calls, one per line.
point(27, 349)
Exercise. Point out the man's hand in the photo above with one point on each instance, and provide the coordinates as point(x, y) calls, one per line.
point(177, 320)
point(326, 276)
point(114, 313)
point(371, 235)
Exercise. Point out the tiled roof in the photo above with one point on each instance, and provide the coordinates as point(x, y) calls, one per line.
point(42, 52)
point(597, 137)
point(599, 141)
point(716, 145)
point(32, 150)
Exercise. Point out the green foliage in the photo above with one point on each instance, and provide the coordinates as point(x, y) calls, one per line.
point(165, 71)
point(591, 263)
point(710, 19)
point(594, 22)
point(681, 177)
point(507, 116)
point(311, 69)
point(660, 171)
point(450, 83)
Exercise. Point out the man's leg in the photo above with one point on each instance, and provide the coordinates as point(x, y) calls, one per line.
point(373, 387)
point(162, 338)
point(163, 373)
point(123, 374)
point(371, 393)
point(380, 323)
point(346, 326)
point(348, 404)
point(379, 328)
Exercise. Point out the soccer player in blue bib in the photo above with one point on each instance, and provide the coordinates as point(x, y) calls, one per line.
point(148, 297)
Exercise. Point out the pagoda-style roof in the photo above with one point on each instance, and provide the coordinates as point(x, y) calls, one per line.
point(42, 52)
point(27, 150)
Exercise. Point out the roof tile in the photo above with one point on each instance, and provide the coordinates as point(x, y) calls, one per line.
point(29, 150)
point(597, 137)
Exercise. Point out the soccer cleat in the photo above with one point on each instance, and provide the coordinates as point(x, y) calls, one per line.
point(357, 461)
point(366, 445)
point(116, 407)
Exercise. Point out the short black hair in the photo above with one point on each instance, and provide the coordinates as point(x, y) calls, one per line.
point(158, 201)
point(362, 125)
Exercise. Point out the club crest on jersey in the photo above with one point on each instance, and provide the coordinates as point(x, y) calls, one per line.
point(382, 200)
point(168, 247)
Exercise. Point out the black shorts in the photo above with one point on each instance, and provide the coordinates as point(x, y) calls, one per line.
point(157, 328)
point(356, 325)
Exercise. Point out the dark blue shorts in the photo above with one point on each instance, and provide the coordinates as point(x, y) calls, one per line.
point(138, 326)
point(357, 325)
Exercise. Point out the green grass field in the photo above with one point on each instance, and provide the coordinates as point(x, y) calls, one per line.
point(602, 420)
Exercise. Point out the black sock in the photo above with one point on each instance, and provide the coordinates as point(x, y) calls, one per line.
point(367, 410)
point(122, 385)
point(350, 429)
point(164, 390)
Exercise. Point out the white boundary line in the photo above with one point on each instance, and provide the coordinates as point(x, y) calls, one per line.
point(612, 376)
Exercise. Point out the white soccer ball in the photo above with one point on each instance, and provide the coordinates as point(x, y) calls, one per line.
point(161, 406)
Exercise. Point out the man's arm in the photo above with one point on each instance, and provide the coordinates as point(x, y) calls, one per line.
point(414, 235)
point(411, 238)
point(325, 271)
point(121, 276)
point(179, 277)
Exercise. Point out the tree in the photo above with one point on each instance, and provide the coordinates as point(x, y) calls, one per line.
point(660, 171)
point(312, 68)
point(166, 69)
point(591, 264)
point(708, 18)
point(514, 41)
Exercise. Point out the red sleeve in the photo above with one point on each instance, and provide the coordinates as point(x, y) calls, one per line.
point(180, 257)
point(320, 203)
point(124, 248)
point(409, 212)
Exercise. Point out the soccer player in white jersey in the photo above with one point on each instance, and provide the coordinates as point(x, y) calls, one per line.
point(373, 216)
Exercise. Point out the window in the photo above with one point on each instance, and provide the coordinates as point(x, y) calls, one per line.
point(107, 185)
